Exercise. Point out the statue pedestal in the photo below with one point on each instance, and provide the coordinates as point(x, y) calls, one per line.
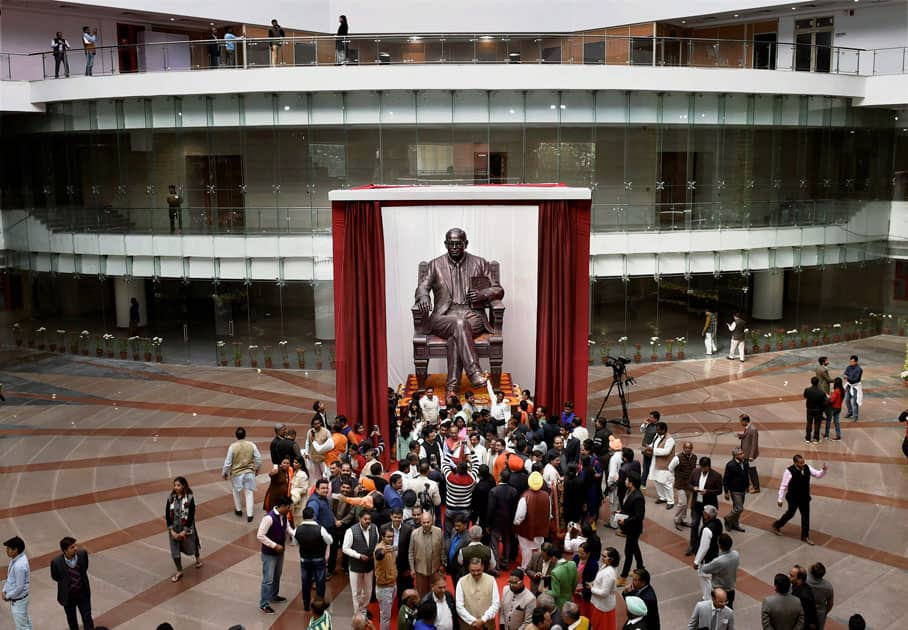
point(437, 382)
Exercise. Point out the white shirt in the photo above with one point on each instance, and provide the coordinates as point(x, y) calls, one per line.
point(348, 541)
point(429, 408)
point(462, 611)
point(706, 537)
point(701, 485)
point(443, 619)
point(603, 589)
point(498, 410)
point(572, 545)
point(521, 514)
point(482, 453)
point(264, 526)
point(614, 467)
point(581, 433)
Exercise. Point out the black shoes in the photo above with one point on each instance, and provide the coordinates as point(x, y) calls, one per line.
point(248, 519)
point(689, 552)
point(277, 599)
point(238, 512)
point(268, 610)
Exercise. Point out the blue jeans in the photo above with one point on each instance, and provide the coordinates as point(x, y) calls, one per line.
point(835, 420)
point(312, 570)
point(272, 567)
point(89, 63)
point(852, 399)
point(21, 619)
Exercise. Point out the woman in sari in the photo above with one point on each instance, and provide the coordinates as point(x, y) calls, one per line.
point(587, 569)
point(179, 512)
point(280, 483)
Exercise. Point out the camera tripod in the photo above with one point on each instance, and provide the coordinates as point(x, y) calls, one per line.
point(619, 380)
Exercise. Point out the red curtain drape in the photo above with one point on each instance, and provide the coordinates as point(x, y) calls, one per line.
point(562, 319)
point(359, 312)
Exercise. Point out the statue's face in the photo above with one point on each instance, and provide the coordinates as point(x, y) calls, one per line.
point(456, 244)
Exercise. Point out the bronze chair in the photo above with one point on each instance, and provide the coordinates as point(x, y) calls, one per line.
point(488, 345)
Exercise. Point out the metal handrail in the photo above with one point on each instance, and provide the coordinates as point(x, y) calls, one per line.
point(639, 50)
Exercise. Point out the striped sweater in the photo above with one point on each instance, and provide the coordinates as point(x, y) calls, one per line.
point(460, 487)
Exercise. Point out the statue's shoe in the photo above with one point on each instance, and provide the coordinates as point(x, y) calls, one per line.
point(477, 380)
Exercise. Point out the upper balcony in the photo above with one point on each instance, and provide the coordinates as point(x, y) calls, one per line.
point(439, 61)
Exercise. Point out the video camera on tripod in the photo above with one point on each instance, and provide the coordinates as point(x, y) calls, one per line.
point(620, 380)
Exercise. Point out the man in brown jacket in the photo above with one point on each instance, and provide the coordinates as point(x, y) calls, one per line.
point(532, 519)
point(426, 544)
point(750, 444)
point(682, 467)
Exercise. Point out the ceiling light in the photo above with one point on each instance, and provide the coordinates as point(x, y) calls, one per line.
point(511, 112)
point(684, 21)
point(736, 15)
point(794, 8)
point(551, 107)
point(173, 19)
point(563, 106)
point(286, 108)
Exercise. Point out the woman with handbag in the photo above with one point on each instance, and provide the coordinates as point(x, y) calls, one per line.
point(180, 515)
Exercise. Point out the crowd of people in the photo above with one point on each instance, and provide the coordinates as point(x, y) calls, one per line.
point(475, 493)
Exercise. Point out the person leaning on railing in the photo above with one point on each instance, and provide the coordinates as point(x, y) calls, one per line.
point(89, 39)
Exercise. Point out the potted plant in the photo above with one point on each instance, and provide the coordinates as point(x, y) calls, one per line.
point(901, 325)
point(655, 345)
point(886, 323)
point(681, 341)
point(792, 334)
point(133, 343)
point(254, 356)
point(603, 352)
point(83, 342)
point(669, 343)
point(17, 333)
point(816, 335)
point(622, 343)
point(221, 352)
point(74, 343)
point(301, 358)
point(267, 351)
point(767, 341)
point(804, 335)
point(285, 359)
point(589, 355)
point(108, 345)
point(753, 338)
point(99, 346)
point(41, 335)
point(157, 342)
point(124, 348)
point(237, 354)
point(318, 355)
point(146, 349)
point(53, 342)
point(637, 357)
point(780, 339)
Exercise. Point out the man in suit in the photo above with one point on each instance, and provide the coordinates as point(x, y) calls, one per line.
point(634, 507)
point(640, 587)
point(539, 568)
point(458, 315)
point(706, 486)
point(782, 610)
point(714, 614)
point(426, 554)
point(750, 444)
point(402, 534)
point(735, 481)
point(70, 571)
point(803, 591)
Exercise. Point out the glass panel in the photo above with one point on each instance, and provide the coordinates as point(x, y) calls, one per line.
point(542, 107)
point(471, 107)
point(506, 107)
point(434, 107)
point(362, 108)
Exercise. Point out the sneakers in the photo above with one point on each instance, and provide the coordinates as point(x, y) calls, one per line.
point(776, 531)
point(807, 442)
point(268, 610)
point(808, 541)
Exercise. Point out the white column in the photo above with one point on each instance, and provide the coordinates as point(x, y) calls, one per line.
point(123, 293)
point(324, 310)
point(769, 293)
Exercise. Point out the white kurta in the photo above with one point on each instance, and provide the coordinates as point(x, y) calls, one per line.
point(662, 446)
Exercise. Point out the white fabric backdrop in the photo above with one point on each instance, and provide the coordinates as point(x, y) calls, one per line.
point(508, 234)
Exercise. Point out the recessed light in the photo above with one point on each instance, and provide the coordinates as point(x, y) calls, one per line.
point(173, 19)
point(794, 8)
point(563, 106)
point(736, 15)
point(286, 108)
point(684, 21)
point(551, 107)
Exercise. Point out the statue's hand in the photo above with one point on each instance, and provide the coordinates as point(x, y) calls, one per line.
point(423, 305)
point(474, 296)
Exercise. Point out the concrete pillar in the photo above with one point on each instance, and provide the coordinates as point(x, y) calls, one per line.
point(769, 292)
point(324, 310)
point(123, 293)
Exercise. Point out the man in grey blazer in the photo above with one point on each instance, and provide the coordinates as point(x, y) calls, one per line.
point(461, 285)
point(782, 610)
point(713, 614)
point(724, 568)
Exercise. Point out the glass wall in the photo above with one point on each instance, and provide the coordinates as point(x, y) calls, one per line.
point(653, 314)
point(266, 162)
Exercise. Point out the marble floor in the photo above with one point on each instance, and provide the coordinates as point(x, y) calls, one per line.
point(88, 448)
